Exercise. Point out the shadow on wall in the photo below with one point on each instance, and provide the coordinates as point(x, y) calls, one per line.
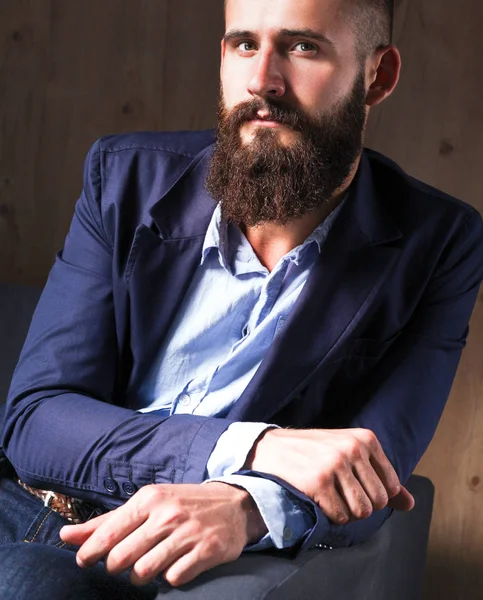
point(449, 576)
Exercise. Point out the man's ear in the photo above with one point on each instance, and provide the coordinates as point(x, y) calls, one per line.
point(382, 72)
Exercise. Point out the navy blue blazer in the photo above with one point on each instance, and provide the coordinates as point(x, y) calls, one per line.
point(374, 340)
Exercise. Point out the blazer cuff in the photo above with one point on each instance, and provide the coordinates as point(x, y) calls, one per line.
point(201, 448)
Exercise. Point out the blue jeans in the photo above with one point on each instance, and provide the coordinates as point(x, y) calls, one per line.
point(35, 564)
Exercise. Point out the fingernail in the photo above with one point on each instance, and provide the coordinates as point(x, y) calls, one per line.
point(81, 563)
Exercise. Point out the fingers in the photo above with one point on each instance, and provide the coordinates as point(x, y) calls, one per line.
point(160, 558)
point(375, 471)
point(380, 463)
point(379, 478)
point(368, 480)
point(362, 492)
point(404, 501)
point(120, 524)
point(333, 504)
point(372, 485)
point(78, 534)
point(156, 547)
point(187, 568)
point(359, 503)
point(398, 496)
point(182, 556)
point(386, 474)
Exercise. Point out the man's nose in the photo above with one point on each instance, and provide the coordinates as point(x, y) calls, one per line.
point(267, 79)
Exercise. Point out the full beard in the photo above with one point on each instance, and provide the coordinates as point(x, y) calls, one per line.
point(264, 181)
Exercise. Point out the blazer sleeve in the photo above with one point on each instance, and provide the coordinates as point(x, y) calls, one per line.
point(63, 429)
point(403, 398)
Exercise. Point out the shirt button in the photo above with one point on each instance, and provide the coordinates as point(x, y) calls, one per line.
point(287, 534)
point(110, 485)
point(129, 488)
point(185, 399)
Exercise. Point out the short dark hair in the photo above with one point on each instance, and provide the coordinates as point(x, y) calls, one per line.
point(373, 22)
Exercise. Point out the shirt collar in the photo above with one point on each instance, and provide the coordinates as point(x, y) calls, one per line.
point(216, 236)
point(231, 243)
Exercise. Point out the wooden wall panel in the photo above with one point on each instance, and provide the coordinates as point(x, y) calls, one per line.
point(72, 71)
point(433, 126)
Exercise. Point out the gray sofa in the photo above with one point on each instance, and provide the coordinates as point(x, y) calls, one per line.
point(390, 566)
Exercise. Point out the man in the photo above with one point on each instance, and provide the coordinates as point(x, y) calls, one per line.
point(210, 297)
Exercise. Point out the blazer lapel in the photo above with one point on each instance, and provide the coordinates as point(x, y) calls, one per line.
point(354, 262)
point(165, 254)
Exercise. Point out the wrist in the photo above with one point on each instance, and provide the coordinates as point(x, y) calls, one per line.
point(254, 461)
point(247, 510)
point(255, 525)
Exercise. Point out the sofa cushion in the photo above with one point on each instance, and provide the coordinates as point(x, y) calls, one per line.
point(17, 303)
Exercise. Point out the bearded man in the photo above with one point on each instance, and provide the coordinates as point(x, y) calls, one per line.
point(245, 343)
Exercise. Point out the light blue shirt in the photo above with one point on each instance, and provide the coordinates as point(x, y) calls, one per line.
point(224, 327)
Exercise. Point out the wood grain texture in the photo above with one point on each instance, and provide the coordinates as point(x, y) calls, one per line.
point(433, 126)
point(71, 71)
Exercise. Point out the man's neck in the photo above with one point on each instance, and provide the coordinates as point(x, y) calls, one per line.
point(271, 241)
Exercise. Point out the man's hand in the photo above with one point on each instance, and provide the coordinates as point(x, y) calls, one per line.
point(345, 471)
point(177, 530)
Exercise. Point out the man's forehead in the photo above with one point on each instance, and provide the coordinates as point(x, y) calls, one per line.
point(279, 12)
point(260, 16)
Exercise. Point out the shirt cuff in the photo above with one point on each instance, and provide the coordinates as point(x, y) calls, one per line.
point(285, 518)
point(233, 447)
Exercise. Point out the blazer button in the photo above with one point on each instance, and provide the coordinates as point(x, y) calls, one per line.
point(129, 488)
point(110, 485)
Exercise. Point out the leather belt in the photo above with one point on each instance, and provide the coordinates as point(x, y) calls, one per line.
point(74, 510)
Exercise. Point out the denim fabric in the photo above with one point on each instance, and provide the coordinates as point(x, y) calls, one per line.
point(37, 572)
point(35, 564)
point(24, 518)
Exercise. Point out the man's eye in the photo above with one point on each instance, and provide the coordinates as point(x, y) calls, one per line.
point(305, 47)
point(246, 46)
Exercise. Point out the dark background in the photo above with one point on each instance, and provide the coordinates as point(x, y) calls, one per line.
point(71, 71)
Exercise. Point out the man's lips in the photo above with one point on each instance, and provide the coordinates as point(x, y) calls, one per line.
point(267, 123)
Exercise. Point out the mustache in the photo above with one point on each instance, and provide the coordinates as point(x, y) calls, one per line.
point(280, 113)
